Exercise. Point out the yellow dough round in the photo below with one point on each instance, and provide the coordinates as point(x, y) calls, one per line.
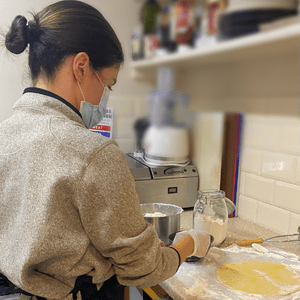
point(259, 277)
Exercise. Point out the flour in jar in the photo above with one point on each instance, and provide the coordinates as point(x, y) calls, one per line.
point(214, 225)
point(155, 214)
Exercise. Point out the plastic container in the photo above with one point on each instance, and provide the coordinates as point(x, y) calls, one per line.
point(243, 17)
point(211, 214)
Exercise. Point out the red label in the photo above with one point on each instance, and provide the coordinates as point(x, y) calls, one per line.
point(101, 127)
point(183, 16)
point(184, 22)
point(152, 42)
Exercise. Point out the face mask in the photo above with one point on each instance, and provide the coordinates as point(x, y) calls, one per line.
point(93, 114)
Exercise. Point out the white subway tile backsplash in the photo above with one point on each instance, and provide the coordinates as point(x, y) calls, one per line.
point(247, 208)
point(273, 218)
point(294, 223)
point(279, 166)
point(262, 136)
point(287, 196)
point(291, 139)
point(242, 183)
point(260, 188)
point(269, 189)
point(251, 160)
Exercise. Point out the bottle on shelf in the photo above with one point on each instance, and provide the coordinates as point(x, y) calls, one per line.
point(167, 41)
point(205, 37)
point(185, 23)
point(197, 33)
point(172, 20)
point(149, 14)
point(137, 42)
point(211, 12)
point(163, 31)
point(215, 9)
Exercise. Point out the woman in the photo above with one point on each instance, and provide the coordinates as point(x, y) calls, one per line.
point(70, 216)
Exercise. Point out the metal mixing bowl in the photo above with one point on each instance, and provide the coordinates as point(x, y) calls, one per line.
point(165, 225)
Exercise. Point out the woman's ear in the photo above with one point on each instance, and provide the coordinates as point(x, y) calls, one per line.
point(81, 66)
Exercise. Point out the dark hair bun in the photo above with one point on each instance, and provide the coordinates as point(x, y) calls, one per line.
point(17, 38)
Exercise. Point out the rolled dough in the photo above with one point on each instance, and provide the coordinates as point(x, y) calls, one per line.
point(259, 277)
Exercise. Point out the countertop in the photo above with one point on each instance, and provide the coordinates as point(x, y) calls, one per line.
point(239, 229)
point(194, 281)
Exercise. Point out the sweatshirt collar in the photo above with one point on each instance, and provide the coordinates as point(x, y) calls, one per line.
point(50, 94)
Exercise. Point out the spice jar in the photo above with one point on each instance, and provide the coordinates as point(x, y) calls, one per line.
point(211, 214)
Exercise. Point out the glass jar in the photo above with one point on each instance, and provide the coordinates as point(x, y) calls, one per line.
point(211, 214)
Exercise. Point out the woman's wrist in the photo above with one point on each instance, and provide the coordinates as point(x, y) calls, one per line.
point(185, 247)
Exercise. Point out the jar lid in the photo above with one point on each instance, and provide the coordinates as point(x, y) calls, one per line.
point(212, 194)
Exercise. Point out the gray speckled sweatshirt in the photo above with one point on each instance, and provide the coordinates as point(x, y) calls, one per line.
point(68, 205)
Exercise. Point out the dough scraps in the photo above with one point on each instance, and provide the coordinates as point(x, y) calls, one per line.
point(259, 277)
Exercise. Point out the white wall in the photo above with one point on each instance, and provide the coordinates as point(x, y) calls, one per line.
point(122, 15)
point(268, 85)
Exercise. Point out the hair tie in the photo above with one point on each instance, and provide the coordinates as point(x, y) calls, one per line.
point(33, 31)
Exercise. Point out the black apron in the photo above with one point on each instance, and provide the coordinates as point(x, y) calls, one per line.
point(110, 290)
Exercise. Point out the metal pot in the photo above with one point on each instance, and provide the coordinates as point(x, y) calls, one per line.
point(164, 225)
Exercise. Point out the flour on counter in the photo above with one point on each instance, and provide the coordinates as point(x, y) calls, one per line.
point(199, 280)
point(154, 215)
point(214, 225)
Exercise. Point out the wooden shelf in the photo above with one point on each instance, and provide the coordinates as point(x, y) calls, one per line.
point(285, 40)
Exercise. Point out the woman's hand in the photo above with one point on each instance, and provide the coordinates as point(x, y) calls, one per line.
point(192, 243)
